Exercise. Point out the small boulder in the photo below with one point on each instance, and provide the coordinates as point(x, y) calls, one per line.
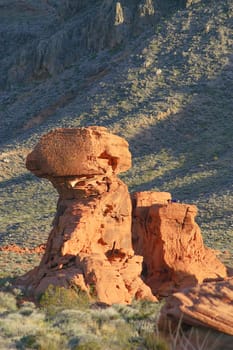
point(209, 304)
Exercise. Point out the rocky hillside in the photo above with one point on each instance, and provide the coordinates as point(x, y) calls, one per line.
point(158, 73)
point(54, 47)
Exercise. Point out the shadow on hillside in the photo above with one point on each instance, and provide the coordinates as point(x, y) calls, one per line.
point(200, 134)
point(78, 47)
point(6, 281)
point(22, 179)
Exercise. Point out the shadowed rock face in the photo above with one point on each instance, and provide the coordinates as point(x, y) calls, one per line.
point(169, 239)
point(90, 243)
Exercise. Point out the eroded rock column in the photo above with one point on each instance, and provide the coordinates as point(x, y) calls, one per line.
point(166, 235)
point(90, 243)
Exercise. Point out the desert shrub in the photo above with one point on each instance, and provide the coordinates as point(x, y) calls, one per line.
point(88, 346)
point(27, 341)
point(117, 334)
point(105, 327)
point(42, 341)
point(152, 340)
point(6, 280)
point(7, 302)
point(27, 308)
point(16, 325)
point(60, 298)
point(105, 315)
point(76, 324)
point(138, 310)
point(5, 343)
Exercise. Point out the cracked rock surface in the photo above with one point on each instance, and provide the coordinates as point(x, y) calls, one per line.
point(208, 304)
point(90, 243)
point(111, 245)
point(166, 235)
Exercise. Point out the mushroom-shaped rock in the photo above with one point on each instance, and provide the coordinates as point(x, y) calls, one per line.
point(90, 243)
point(209, 304)
point(79, 151)
point(169, 239)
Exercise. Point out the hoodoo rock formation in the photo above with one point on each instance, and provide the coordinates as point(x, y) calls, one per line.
point(90, 243)
point(98, 242)
point(166, 235)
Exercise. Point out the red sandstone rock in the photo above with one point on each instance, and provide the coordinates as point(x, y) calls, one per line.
point(90, 243)
point(142, 200)
point(21, 250)
point(171, 244)
point(79, 152)
point(209, 304)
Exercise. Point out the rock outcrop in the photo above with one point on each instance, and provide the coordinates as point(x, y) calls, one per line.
point(90, 243)
point(209, 304)
point(50, 36)
point(79, 153)
point(21, 250)
point(166, 235)
point(94, 243)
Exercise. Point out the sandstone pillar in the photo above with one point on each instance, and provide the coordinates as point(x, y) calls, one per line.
point(90, 243)
point(166, 235)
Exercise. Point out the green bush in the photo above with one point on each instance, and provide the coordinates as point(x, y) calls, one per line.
point(7, 302)
point(88, 346)
point(59, 298)
point(42, 341)
point(151, 341)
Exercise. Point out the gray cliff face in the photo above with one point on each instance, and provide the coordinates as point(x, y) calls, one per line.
point(39, 40)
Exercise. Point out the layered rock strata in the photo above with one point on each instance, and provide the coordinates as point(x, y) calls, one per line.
point(90, 243)
point(209, 304)
point(166, 235)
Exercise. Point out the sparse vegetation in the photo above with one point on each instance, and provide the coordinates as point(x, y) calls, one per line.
point(66, 322)
point(131, 327)
point(169, 92)
point(60, 298)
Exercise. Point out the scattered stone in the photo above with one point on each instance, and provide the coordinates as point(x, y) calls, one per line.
point(23, 250)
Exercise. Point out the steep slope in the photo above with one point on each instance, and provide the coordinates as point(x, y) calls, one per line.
point(159, 75)
point(56, 40)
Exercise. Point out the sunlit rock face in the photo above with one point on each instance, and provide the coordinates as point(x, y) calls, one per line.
point(105, 241)
point(90, 243)
point(79, 152)
point(209, 304)
point(166, 235)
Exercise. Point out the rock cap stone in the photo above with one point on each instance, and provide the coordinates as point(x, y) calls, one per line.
point(79, 151)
